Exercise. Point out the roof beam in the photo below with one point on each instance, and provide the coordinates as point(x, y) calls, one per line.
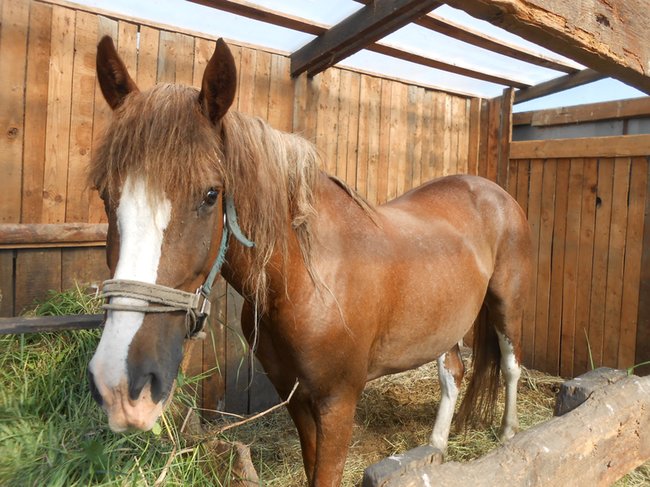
point(607, 36)
point(556, 85)
point(262, 14)
point(356, 32)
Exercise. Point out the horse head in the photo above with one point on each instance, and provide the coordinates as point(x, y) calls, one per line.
point(158, 170)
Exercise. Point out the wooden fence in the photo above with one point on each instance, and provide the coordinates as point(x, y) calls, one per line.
point(588, 205)
point(382, 136)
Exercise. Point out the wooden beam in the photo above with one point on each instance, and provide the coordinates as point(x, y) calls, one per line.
point(273, 17)
point(607, 36)
point(556, 85)
point(591, 112)
point(475, 73)
point(356, 32)
point(42, 324)
point(611, 146)
point(32, 235)
point(262, 14)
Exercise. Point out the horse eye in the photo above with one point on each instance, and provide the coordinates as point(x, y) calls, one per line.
point(211, 197)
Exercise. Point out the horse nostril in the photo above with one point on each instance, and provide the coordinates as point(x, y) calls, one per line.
point(94, 392)
point(157, 386)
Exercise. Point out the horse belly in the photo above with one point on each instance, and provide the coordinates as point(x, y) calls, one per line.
point(424, 326)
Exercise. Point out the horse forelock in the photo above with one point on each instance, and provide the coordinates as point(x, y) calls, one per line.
point(162, 137)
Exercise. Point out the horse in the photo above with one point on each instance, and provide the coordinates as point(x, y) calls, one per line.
point(337, 291)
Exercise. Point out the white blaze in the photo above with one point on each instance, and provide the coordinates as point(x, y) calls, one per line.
point(141, 228)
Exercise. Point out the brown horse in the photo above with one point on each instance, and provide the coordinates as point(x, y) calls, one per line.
point(337, 292)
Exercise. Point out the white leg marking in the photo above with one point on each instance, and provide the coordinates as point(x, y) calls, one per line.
point(141, 230)
point(511, 373)
point(449, 394)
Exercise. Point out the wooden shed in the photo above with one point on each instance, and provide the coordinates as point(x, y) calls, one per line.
point(581, 173)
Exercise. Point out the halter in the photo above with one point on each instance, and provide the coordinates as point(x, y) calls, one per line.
point(166, 299)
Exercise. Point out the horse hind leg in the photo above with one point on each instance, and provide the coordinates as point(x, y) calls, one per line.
point(450, 374)
point(505, 313)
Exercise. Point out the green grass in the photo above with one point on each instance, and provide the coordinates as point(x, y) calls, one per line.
point(53, 434)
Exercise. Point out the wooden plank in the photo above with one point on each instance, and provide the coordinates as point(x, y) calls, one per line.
point(439, 124)
point(484, 137)
point(281, 90)
point(633, 262)
point(604, 203)
point(463, 135)
point(343, 123)
point(213, 386)
point(557, 85)
point(246, 90)
point(371, 92)
point(57, 138)
point(581, 362)
point(590, 112)
point(262, 85)
point(7, 272)
point(237, 365)
point(44, 324)
point(36, 91)
point(428, 135)
point(606, 37)
point(300, 115)
point(13, 56)
point(327, 121)
point(148, 58)
point(544, 256)
point(474, 135)
point(353, 129)
point(615, 262)
point(610, 146)
point(505, 136)
point(127, 43)
point(534, 220)
point(398, 140)
point(642, 353)
point(447, 117)
point(81, 118)
point(476, 38)
point(493, 141)
point(184, 60)
point(555, 318)
point(85, 267)
point(571, 267)
point(523, 179)
point(414, 146)
point(51, 233)
point(203, 50)
point(167, 57)
point(363, 136)
point(37, 272)
point(352, 34)
point(384, 142)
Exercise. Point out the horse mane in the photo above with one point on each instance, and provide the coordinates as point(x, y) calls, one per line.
point(272, 175)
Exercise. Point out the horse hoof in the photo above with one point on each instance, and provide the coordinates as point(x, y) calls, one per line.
point(507, 433)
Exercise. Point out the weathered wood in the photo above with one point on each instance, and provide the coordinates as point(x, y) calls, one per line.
point(556, 85)
point(352, 34)
point(43, 324)
point(590, 112)
point(609, 37)
point(575, 392)
point(642, 353)
point(21, 235)
point(610, 146)
point(595, 444)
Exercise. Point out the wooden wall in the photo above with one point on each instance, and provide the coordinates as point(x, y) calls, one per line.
point(381, 136)
point(588, 205)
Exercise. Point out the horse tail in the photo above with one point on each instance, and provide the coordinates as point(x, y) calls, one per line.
point(478, 405)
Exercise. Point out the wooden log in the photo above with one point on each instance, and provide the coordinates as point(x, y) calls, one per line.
point(25, 235)
point(595, 444)
point(42, 324)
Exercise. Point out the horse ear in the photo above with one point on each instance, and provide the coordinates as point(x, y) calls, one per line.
point(219, 83)
point(114, 79)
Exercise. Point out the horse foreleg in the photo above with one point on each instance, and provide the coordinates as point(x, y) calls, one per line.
point(450, 374)
point(303, 418)
point(334, 420)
